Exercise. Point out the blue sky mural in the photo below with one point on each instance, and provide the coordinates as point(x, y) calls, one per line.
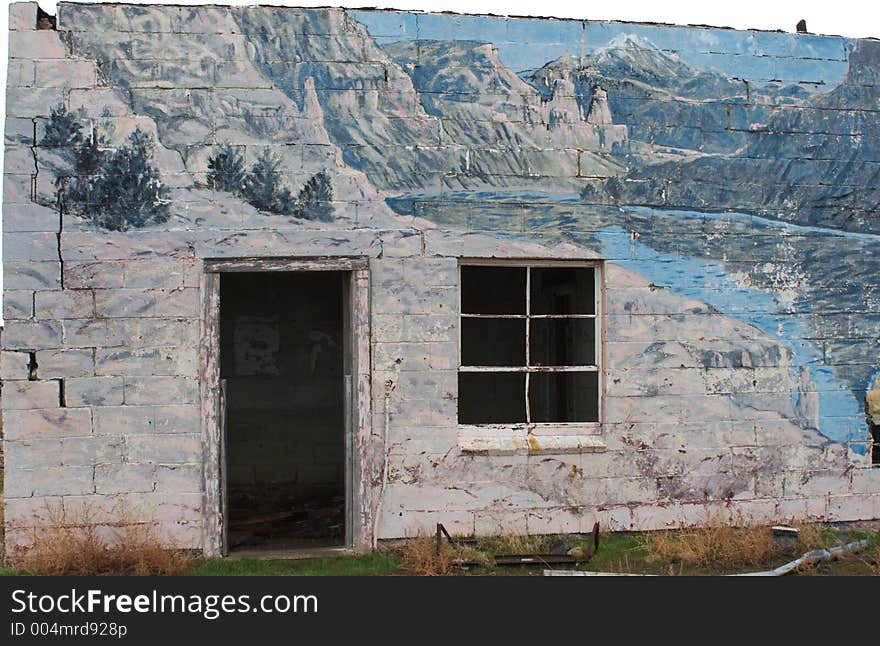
point(529, 44)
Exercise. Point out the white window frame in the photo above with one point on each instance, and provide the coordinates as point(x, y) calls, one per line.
point(541, 428)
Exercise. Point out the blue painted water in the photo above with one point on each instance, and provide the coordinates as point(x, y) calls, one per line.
point(708, 281)
point(824, 311)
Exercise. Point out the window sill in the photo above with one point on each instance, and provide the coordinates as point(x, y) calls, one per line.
point(501, 440)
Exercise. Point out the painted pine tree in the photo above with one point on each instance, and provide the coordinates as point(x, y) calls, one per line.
point(128, 191)
point(263, 188)
point(314, 201)
point(63, 128)
point(226, 170)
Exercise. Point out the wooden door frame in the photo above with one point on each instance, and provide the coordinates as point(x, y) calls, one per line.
point(358, 508)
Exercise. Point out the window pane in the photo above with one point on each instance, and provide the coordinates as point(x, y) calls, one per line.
point(563, 290)
point(562, 342)
point(493, 342)
point(564, 396)
point(493, 290)
point(491, 397)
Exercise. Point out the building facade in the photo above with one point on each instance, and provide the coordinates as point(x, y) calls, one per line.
point(290, 277)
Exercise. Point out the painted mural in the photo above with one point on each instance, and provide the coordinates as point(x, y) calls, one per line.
point(737, 170)
point(746, 182)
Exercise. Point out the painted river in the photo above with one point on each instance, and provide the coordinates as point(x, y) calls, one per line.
point(815, 289)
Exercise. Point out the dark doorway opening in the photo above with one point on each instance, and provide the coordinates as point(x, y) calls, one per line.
point(282, 366)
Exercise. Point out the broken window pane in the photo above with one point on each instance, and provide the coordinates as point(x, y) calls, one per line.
point(491, 397)
point(493, 290)
point(564, 396)
point(562, 342)
point(563, 290)
point(493, 342)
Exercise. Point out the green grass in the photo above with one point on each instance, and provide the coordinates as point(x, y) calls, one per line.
point(366, 565)
point(627, 553)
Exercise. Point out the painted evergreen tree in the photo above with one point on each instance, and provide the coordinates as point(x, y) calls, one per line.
point(226, 171)
point(128, 191)
point(63, 128)
point(315, 198)
point(263, 186)
point(75, 192)
point(117, 189)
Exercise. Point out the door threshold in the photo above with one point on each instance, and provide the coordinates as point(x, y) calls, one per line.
point(291, 554)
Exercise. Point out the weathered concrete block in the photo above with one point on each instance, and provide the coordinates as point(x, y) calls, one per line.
point(559, 520)
point(30, 335)
point(60, 364)
point(157, 332)
point(26, 513)
point(178, 419)
point(152, 274)
point(38, 453)
point(23, 16)
point(866, 481)
point(94, 391)
point(66, 304)
point(21, 73)
point(31, 101)
point(14, 366)
point(164, 449)
point(412, 523)
point(124, 420)
point(66, 74)
point(18, 304)
point(207, 20)
point(19, 131)
point(19, 160)
point(146, 362)
point(18, 189)
point(98, 102)
point(161, 390)
point(30, 218)
point(80, 333)
point(93, 275)
point(32, 275)
point(37, 44)
point(179, 478)
point(124, 478)
point(853, 507)
point(47, 423)
point(127, 303)
point(30, 394)
point(147, 19)
point(51, 481)
point(30, 247)
point(430, 328)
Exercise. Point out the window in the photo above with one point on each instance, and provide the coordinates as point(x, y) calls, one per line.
point(529, 348)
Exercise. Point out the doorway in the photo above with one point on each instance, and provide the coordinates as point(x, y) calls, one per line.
point(284, 359)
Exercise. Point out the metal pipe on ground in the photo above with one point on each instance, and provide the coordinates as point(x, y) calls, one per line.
point(810, 558)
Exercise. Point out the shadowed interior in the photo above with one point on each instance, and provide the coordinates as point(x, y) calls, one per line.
point(281, 355)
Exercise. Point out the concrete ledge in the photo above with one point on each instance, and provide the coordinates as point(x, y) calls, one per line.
point(516, 443)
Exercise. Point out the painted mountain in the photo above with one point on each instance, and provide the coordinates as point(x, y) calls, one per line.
point(638, 124)
point(663, 100)
point(814, 162)
point(598, 135)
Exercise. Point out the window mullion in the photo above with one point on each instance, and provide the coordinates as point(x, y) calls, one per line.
point(528, 340)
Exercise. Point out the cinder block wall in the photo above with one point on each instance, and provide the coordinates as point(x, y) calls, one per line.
point(706, 413)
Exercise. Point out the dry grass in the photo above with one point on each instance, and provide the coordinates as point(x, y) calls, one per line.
point(419, 556)
point(510, 543)
point(810, 537)
point(80, 547)
point(718, 546)
point(872, 560)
